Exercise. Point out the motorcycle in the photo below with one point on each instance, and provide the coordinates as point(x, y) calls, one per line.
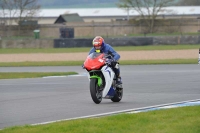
point(102, 78)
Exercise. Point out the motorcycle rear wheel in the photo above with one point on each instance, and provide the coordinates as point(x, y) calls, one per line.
point(96, 94)
point(118, 95)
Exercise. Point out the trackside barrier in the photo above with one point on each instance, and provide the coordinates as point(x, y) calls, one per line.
point(129, 41)
point(140, 41)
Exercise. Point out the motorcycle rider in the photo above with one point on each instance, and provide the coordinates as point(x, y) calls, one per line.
point(100, 46)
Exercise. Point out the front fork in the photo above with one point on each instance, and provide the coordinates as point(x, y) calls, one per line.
point(99, 80)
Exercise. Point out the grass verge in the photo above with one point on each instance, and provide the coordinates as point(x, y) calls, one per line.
point(12, 75)
point(87, 49)
point(176, 120)
point(79, 63)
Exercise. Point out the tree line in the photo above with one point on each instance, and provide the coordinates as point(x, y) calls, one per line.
point(97, 3)
point(67, 3)
point(21, 10)
point(17, 11)
point(149, 9)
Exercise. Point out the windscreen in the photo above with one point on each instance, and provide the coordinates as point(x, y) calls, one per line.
point(94, 55)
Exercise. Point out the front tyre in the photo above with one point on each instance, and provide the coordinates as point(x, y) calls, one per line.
point(96, 94)
point(118, 95)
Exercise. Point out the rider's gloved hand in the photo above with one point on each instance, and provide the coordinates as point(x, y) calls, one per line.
point(83, 66)
point(109, 61)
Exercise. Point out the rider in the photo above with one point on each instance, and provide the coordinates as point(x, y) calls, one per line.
point(101, 47)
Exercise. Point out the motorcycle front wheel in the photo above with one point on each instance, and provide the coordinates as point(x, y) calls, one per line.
point(96, 94)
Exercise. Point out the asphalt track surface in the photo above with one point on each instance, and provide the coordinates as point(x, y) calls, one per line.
point(37, 100)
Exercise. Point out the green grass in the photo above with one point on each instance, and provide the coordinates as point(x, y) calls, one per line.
point(86, 49)
point(50, 63)
point(176, 120)
point(12, 75)
point(79, 63)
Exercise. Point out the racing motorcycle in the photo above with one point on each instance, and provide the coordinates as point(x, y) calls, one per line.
point(102, 78)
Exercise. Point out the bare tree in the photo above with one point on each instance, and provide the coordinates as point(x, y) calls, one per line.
point(8, 12)
point(148, 9)
point(18, 10)
point(27, 10)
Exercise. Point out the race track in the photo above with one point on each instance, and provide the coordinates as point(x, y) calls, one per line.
point(30, 101)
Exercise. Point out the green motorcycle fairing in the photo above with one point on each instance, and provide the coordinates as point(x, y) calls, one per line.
point(99, 80)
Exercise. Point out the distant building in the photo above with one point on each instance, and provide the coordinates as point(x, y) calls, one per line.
point(109, 14)
point(51, 16)
point(74, 17)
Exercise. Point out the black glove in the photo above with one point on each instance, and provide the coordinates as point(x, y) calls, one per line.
point(109, 61)
point(83, 66)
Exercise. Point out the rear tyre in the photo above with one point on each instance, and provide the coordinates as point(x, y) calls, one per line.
point(96, 94)
point(118, 95)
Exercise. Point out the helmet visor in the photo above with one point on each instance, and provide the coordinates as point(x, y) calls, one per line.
point(97, 45)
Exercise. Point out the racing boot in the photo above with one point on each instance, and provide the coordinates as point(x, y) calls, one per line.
point(119, 79)
point(119, 82)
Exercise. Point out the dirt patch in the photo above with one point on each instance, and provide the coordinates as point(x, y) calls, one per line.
point(125, 55)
